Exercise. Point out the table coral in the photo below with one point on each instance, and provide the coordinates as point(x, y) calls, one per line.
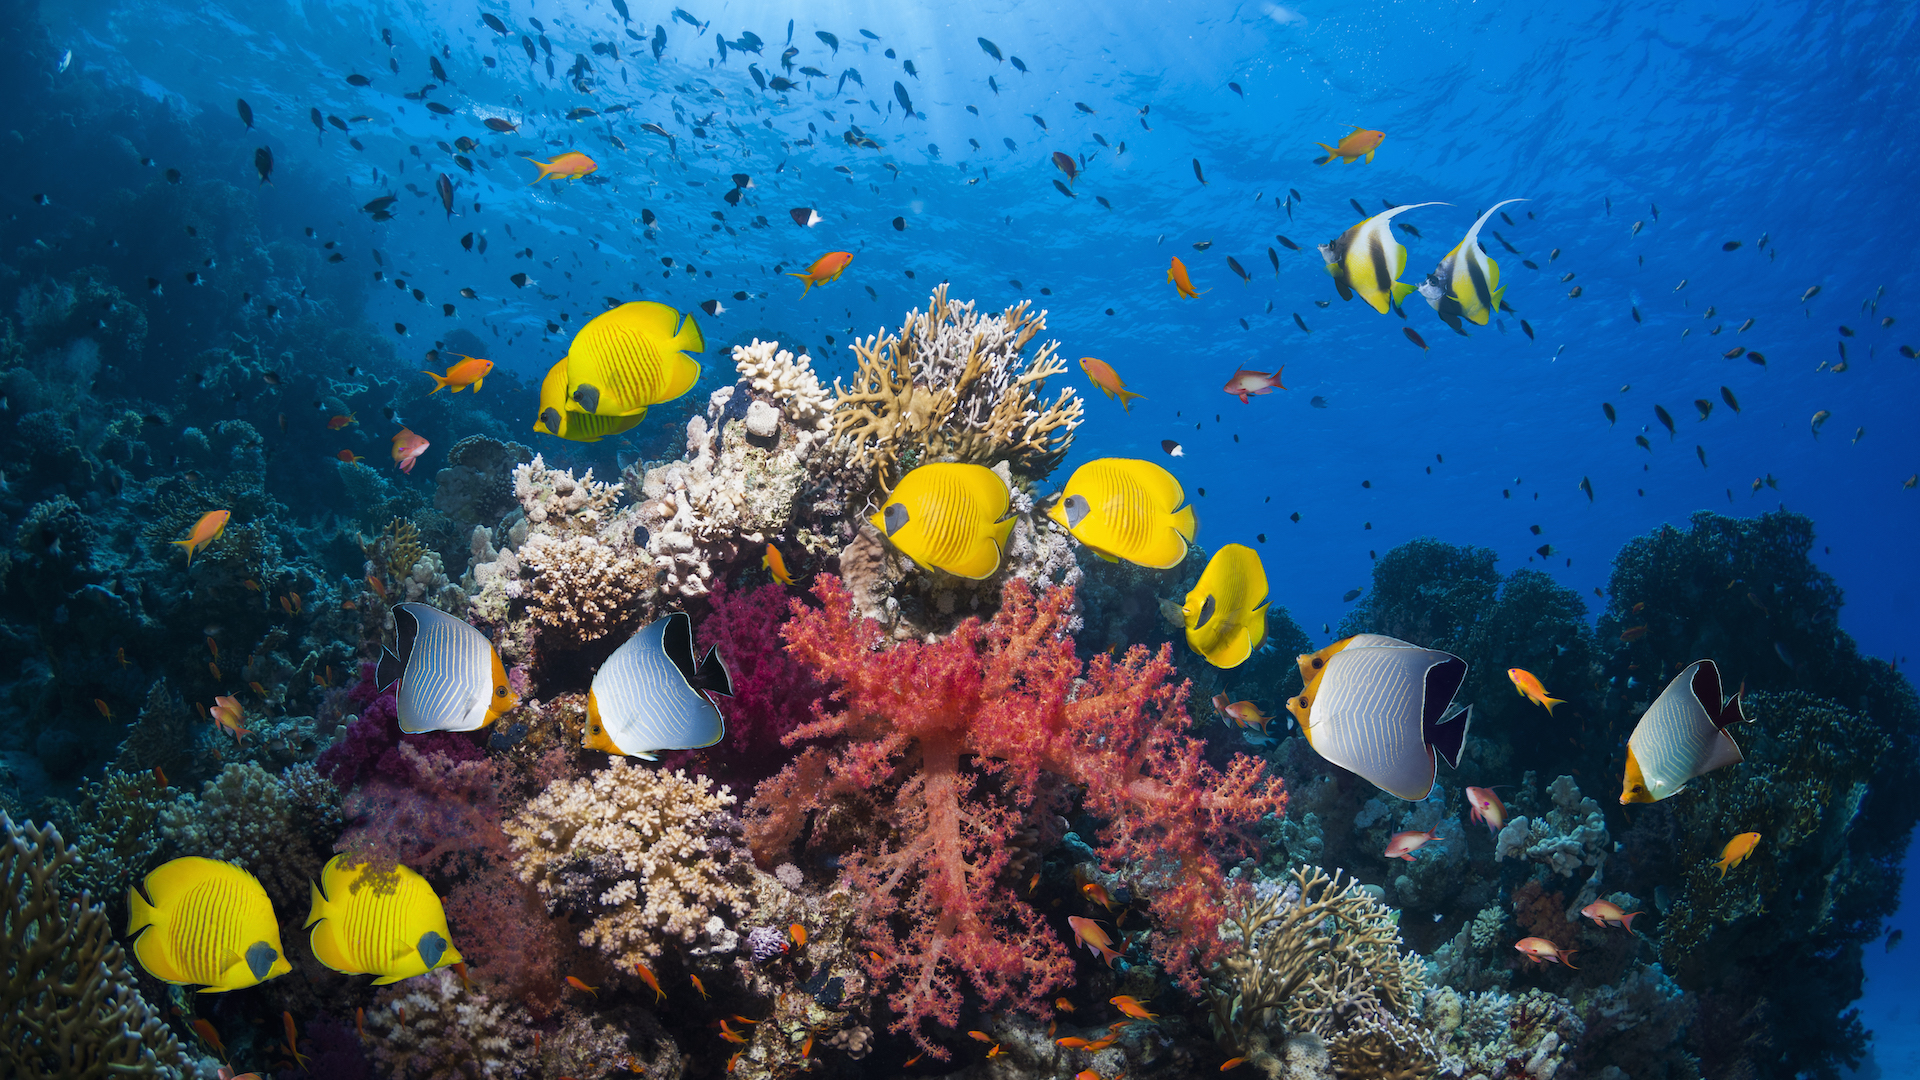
point(935, 757)
point(68, 1003)
point(640, 853)
point(952, 385)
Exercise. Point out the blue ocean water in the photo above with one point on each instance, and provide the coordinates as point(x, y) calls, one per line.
point(1647, 139)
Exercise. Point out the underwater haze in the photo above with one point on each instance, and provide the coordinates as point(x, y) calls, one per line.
point(587, 539)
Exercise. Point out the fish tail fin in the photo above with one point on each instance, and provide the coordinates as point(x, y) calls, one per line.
point(388, 670)
point(711, 675)
point(188, 544)
point(1567, 958)
point(806, 278)
point(1126, 399)
point(1331, 154)
point(440, 383)
point(1626, 921)
point(1550, 702)
point(1108, 953)
point(1401, 290)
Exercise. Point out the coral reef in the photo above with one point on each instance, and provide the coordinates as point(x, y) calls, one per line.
point(791, 385)
point(956, 755)
point(68, 1004)
point(433, 1028)
point(643, 855)
point(250, 817)
point(1571, 835)
point(951, 385)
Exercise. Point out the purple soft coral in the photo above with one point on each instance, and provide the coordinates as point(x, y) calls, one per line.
point(371, 747)
point(773, 693)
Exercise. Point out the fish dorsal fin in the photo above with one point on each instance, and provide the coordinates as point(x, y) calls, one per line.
point(393, 662)
point(712, 676)
point(676, 641)
point(1448, 736)
point(1443, 680)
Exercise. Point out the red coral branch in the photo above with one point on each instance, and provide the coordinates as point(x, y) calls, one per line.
point(947, 752)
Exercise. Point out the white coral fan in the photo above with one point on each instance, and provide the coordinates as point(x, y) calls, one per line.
point(640, 851)
point(431, 1027)
point(792, 384)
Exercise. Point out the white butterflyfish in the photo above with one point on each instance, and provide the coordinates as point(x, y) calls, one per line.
point(449, 674)
point(1682, 735)
point(650, 695)
point(1383, 708)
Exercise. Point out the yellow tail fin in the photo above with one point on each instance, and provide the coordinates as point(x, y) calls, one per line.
point(1126, 399)
point(442, 385)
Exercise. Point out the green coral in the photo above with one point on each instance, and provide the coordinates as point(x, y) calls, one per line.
point(68, 1004)
point(116, 827)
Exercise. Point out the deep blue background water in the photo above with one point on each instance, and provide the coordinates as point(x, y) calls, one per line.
point(1793, 120)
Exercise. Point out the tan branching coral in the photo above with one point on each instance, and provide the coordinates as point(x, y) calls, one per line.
point(644, 855)
point(1324, 954)
point(951, 385)
point(584, 587)
point(68, 1004)
point(433, 1027)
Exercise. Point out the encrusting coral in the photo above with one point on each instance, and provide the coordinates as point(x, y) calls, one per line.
point(941, 762)
point(951, 385)
point(642, 854)
point(68, 1004)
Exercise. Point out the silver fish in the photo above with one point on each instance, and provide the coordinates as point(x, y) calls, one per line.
point(1681, 735)
point(450, 677)
point(1383, 708)
point(650, 694)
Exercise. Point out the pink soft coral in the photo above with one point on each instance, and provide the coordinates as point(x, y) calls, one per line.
point(772, 691)
point(956, 748)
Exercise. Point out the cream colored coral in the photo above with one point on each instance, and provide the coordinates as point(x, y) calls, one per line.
point(790, 382)
point(551, 494)
point(631, 847)
point(584, 587)
point(951, 385)
point(432, 1027)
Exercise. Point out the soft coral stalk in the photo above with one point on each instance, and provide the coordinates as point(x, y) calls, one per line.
point(958, 747)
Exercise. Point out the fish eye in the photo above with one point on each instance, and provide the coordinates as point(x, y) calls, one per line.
point(896, 517)
point(1318, 663)
point(551, 418)
point(1077, 509)
point(499, 691)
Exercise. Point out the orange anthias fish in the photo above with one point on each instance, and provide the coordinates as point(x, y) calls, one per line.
point(1487, 807)
point(575, 982)
point(1242, 713)
point(798, 935)
point(1634, 633)
point(1063, 1004)
point(731, 1035)
point(227, 713)
point(646, 976)
point(826, 268)
point(1247, 385)
point(105, 709)
point(337, 422)
point(350, 457)
point(1403, 845)
point(470, 371)
point(698, 985)
point(1108, 380)
point(407, 448)
point(1359, 143)
point(567, 166)
point(774, 564)
point(1540, 950)
point(1095, 939)
point(1531, 689)
point(205, 531)
point(1182, 284)
point(293, 1045)
point(1736, 851)
point(1097, 893)
point(1605, 913)
point(1132, 1007)
point(209, 1036)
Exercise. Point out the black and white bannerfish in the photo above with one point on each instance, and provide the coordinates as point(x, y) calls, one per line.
point(1366, 259)
point(1683, 734)
point(1467, 281)
point(450, 677)
point(651, 696)
point(1383, 708)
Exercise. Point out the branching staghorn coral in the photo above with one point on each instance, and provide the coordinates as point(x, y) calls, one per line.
point(644, 854)
point(953, 386)
point(68, 1005)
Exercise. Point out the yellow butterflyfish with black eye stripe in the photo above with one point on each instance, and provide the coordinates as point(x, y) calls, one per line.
point(207, 923)
point(1366, 259)
point(1226, 613)
point(631, 357)
point(369, 923)
point(950, 516)
point(558, 417)
point(1125, 508)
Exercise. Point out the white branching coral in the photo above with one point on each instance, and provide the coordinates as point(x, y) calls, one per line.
point(583, 586)
point(952, 385)
point(790, 382)
point(646, 856)
point(431, 1027)
point(1571, 835)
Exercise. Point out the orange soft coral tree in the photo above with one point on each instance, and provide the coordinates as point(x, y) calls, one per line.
point(931, 762)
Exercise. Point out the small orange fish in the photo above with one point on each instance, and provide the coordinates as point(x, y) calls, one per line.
point(1182, 284)
point(1604, 913)
point(907, 1064)
point(461, 970)
point(257, 688)
point(806, 1048)
point(1487, 807)
point(205, 531)
point(1359, 143)
point(1063, 1004)
point(160, 774)
point(293, 1045)
point(227, 714)
point(826, 268)
point(994, 1051)
point(407, 448)
point(1088, 1074)
point(379, 587)
point(360, 1023)
point(774, 564)
point(1132, 1007)
point(1033, 883)
point(215, 668)
point(1247, 385)
point(744, 1019)
point(298, 605)
point(350, 457)
point(1737, 850)
point(1098, 1045)
point(470, 371)
point(1531, 688)
point(798, 934)
point(1403, 845)
point(1244, 714)
point(214, 648)
point(980, 1036)
point(1540, 950)
point(1072, 1042)
point(1097, 893)
point(731, 1035)
point(209, 1036)
point(1641, 605)
point(578, 985)
point(252, 585)
point(1095, 939)
point(697, 985)
point(567, 166)
point(120, 654)
point(105, 709)
point(1634, 633)
point(286, 605)
point(1232, 1063)
point(646, 976)
point(732, 1061)
point(335, 423)
point(1108, 380)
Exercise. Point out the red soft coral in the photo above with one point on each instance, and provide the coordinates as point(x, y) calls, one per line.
point(958, 747)
point(772, 691)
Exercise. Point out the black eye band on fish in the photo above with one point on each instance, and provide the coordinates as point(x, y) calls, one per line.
point(896, 518)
